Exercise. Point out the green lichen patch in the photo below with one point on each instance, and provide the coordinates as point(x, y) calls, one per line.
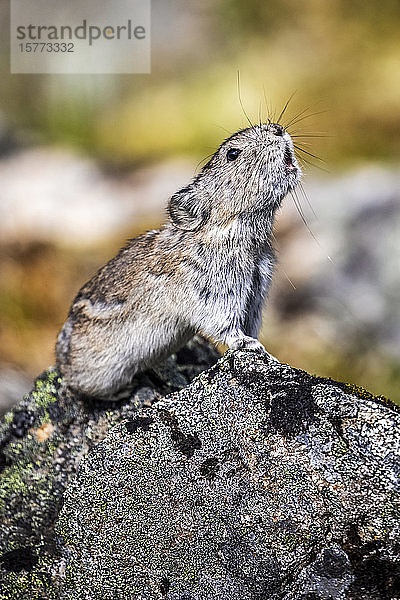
point(8, 417)
point(45, 390)
point(30, 485)
point(28, 574)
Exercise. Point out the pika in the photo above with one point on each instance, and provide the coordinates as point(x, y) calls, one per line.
point(207, 270)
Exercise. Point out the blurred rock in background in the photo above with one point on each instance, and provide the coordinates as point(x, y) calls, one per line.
point(88, 161)
point(360, 291)
point(336, 298)
point(14, 384)
point(57, 196)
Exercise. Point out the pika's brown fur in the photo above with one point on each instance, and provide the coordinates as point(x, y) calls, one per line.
point(207, 270)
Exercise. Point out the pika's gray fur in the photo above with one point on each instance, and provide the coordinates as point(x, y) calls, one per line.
point(207, 270)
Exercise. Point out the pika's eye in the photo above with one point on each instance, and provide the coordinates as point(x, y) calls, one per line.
point(232, 154)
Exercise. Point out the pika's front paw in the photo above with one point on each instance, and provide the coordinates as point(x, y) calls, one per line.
point(248, 343)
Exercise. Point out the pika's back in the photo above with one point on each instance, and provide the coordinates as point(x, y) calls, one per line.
point(114, 281)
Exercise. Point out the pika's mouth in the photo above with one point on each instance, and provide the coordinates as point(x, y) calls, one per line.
point(289, 159)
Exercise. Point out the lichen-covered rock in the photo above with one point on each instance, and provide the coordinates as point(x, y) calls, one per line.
point(42, 442)
point(254, 482)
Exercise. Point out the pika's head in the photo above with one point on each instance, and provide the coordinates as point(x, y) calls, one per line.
point(251, 172)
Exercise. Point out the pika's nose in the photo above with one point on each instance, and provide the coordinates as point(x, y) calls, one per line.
point(277, 129)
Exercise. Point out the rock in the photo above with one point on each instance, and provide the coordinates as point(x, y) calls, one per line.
point(41, 444)
point(254, 481)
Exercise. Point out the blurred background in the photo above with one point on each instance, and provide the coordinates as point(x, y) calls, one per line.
point(88, 161)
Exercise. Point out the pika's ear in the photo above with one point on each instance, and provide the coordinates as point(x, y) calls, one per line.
point(185, 210)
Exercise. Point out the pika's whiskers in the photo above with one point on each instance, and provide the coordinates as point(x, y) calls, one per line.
point(285, 107)
point(240, 100)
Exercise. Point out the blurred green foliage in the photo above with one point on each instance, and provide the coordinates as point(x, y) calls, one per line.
point(340, 56)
